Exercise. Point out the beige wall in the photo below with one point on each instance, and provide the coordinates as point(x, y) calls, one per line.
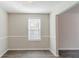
point(3, 32)
point(69, 31)
point(18, 31)
point(68, 25)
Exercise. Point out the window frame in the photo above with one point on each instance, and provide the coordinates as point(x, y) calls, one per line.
point(39, 30)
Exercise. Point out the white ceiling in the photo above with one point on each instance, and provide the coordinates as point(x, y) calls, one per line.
point(34, 6)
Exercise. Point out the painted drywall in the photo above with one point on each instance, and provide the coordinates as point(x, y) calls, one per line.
point(54, 28)
point(18, 31)
point(69, 31)
point(68, 24)
point(53, 33)
point(72, 10)
point(3, 32)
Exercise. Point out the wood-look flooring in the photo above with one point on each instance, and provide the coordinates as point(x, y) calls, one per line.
point(28, 54)
point(69, 53)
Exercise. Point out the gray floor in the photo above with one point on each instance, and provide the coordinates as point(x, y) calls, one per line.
point(29, 54)
point(69, 53)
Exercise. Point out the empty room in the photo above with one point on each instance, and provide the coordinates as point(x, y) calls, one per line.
point(39, 29)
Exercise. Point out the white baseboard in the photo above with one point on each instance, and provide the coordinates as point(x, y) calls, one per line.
point(53, 53)
point(68, 49)
point(30, 49)
point(3, 53)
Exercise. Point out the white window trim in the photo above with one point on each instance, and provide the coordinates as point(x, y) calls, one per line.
point(29, 31)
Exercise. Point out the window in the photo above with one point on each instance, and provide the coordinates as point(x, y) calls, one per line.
point(34, 30)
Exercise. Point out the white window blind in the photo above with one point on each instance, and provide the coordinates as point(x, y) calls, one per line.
point(34, 29)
